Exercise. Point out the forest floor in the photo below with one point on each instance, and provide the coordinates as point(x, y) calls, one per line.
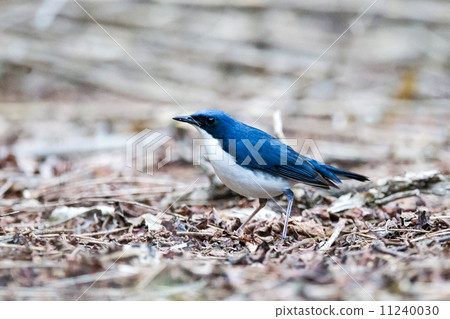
point(80, 228)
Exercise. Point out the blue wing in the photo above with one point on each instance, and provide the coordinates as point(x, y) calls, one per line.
point(261, 151)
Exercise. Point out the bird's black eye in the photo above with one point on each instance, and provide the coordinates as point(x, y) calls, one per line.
point(210, 121)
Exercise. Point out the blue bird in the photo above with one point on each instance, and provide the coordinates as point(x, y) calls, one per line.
point(255, 164)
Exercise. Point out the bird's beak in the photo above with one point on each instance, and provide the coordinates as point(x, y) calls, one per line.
point(186, 119)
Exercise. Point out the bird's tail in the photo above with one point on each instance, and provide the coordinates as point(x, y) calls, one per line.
point(345, 174)
point(331, 174)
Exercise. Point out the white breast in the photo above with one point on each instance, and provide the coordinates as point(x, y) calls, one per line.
point(239, 179)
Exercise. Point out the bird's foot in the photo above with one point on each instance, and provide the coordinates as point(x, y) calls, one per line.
point(239, 232)
point(278, 243)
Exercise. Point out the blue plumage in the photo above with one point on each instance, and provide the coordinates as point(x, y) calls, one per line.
point(273, 157)
point(272, 165)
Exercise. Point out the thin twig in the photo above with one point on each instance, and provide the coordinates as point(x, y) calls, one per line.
point(5, 187)
point(431, 235)
point(340, 225)
point(196, 234)
point(296, 245)
point(399, 195)
point(22, 246)
point(100, 233)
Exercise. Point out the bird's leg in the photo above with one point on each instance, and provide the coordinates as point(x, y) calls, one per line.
point(262, 203)
point(290, 196)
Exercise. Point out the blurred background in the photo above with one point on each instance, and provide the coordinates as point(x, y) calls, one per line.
point(379, 96)
point(79, 78)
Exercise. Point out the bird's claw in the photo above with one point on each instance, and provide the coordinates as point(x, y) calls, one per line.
point(278, 243)
point(238, 232)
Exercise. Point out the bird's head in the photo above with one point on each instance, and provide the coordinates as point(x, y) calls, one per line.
point(215, 122)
